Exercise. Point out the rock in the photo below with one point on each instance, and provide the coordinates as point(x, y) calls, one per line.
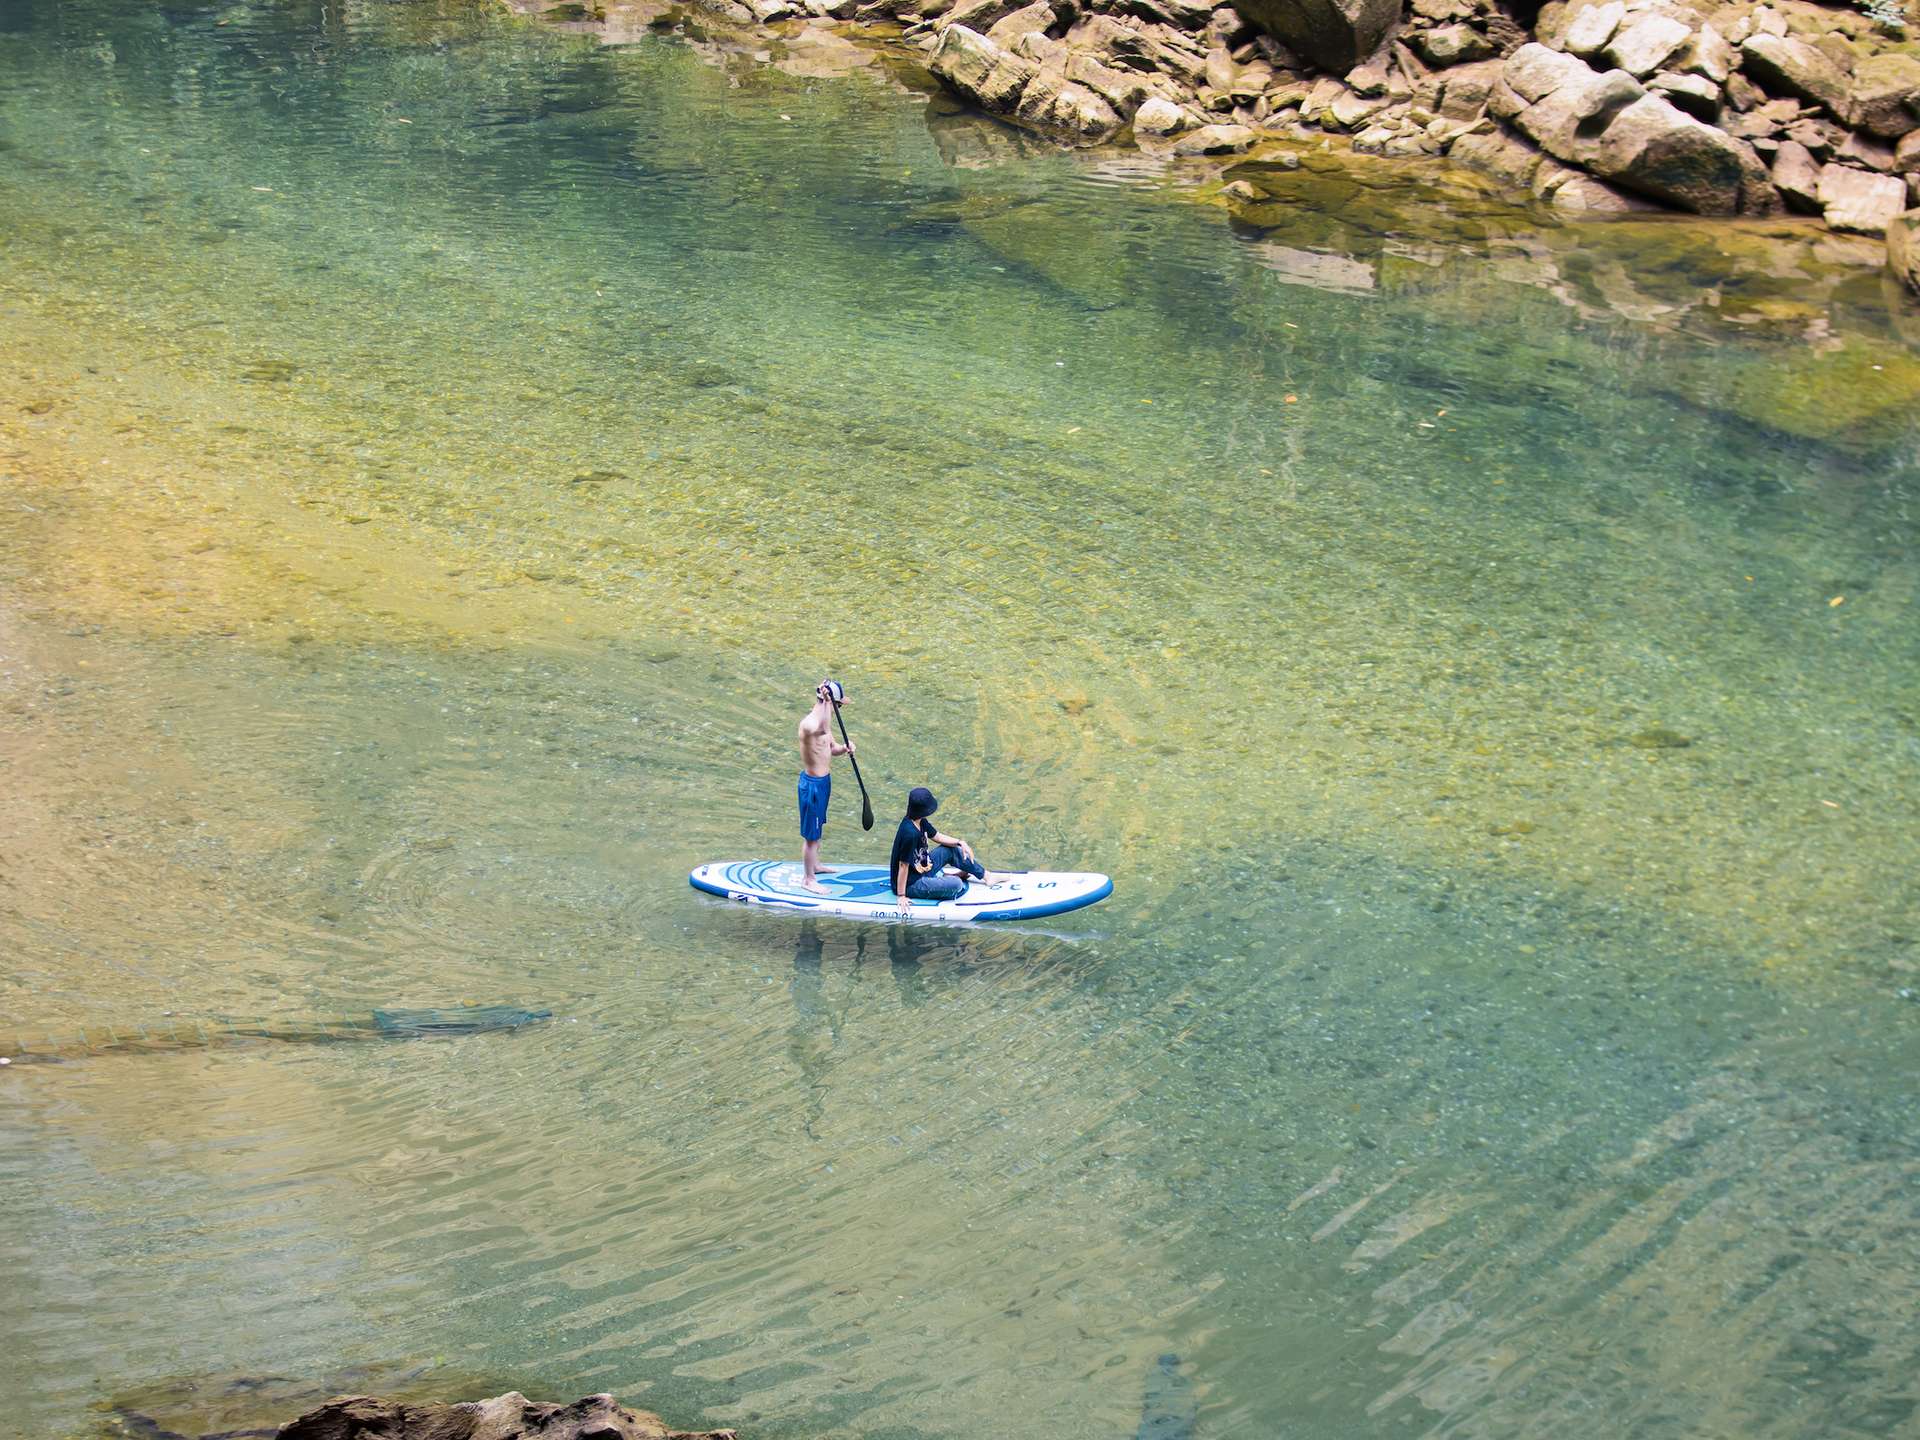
point(1369, 79)
point(1468, 88)
point(1766, 21)
point(1227, 26)
point(1654, 149)
point(1216, 140)
point(1695, 94)
point(1758, 196)
point(1645, 45)
point(1785, 66)
point(1054, 104)
point(1453, 45)
point(1858, 202)
point(1865, 152)
point(1903, 248)
point(1220, 69)
point(1535, 72)
point(1107, 39)
point(1126, 91)
point(1503, 156)
point(1571, 106)
point(1742, 93)
point(1178, 14)
point(1797, 175)
point(1045, 51)
point(1906, 155)
point(1158, 116)
point(1584, 195)
point(1244, 192)
point(981, 15)
point(1335, 34)
point(505, 1417)
point(1886, 95)
point(1036, 18)
point(1706, 53)
point(980, 70)
point(1592, 28)
point(1817, 137)
point(1251, 82)
point(1837, 48)
point(1348, 111)
point(1660, 739)
point(1505, 35)
point(1175, 54)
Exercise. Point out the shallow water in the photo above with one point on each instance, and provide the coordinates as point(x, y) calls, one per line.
point(439, 456)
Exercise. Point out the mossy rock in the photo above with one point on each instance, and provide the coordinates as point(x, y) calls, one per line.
point(1862, 396)
point(1660, 739)
point(1056, 243)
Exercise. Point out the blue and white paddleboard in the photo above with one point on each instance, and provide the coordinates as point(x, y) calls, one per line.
point(861, 892)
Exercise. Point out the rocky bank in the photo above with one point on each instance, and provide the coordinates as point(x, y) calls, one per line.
point(1594, 107)
point(505, 1417)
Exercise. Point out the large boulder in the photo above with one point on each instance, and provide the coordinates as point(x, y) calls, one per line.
point(1787, 66)
point(1335, 34)
point(1652, 148)
point(981, 71)
point(1886, 95)
point(1857, 201)
point(505, 1417)
point(1903, 248)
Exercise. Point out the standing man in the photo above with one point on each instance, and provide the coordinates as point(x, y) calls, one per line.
point(817, 749)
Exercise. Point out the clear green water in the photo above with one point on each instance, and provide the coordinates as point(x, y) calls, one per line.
point(439, 456)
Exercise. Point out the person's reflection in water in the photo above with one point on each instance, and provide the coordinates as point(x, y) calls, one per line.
point(815, 1032)
point(905, 949)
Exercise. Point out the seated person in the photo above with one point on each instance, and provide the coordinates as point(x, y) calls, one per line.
point(921, 855)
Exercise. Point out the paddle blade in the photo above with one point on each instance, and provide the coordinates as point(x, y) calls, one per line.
point(866, 813)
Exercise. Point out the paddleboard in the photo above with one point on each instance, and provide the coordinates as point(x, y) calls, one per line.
point(862, 892)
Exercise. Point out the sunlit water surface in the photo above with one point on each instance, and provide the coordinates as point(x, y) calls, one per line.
point(439, 455)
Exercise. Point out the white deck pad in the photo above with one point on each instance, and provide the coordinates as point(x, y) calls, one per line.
point(861, 892)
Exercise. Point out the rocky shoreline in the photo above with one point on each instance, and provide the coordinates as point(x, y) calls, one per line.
point(1592, 107)
point(505, 1417)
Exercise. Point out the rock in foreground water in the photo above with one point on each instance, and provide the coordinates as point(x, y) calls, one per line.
point(505, 1417)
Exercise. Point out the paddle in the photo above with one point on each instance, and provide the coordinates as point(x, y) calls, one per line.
point(866, 805)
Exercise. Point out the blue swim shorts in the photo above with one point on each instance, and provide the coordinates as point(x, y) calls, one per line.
point(815, 791)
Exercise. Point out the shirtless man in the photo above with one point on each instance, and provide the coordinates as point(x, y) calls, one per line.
point(817, 749)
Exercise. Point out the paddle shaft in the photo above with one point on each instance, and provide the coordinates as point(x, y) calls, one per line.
point(866, 804)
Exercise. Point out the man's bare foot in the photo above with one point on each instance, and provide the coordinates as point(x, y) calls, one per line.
point(814, 885)
point(826, 869)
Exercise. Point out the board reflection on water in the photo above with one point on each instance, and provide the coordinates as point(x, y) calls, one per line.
point(1482, 653)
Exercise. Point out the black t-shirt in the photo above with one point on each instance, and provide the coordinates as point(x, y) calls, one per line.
point(910, 845)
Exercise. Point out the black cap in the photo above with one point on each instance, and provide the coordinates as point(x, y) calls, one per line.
point(920, 803)
point(833, 691)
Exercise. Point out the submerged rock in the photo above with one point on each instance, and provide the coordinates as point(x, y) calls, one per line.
point(1659, 739)
point(505, 1417)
